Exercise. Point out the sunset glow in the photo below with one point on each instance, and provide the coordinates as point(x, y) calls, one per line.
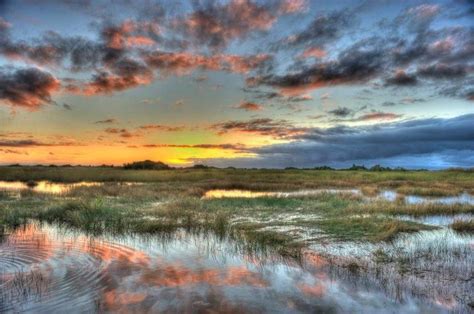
point(237, 83)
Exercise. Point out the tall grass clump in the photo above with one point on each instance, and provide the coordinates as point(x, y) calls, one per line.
point(92, 216)
point(368, 228)
point(463, 226)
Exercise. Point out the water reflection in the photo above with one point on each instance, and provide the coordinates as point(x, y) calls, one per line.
point(447, 200)
point(44, 186)
point(220, 193)
point(388, 195)
point(47, 269)
point(437, 220)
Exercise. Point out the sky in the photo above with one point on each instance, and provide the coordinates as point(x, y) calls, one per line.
point(243, 83)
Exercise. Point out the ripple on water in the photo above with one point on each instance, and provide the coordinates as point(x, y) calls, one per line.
point(48, 269)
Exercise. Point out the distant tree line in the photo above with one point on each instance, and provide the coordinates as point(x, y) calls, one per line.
point(146, 165)
point(158, 165)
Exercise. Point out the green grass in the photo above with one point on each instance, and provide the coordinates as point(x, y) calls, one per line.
point(258, 179)
point(370, 228)
point(400, 208)
point(171, 199)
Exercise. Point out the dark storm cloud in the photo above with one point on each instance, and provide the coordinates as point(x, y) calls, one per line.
point(446, 140)
point(30, 88)
point(356, 64)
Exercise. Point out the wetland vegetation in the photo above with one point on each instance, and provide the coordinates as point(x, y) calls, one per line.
point(343, 218)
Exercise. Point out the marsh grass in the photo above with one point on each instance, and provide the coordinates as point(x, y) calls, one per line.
point(430, 191)
point(198, 181)
point(463, 226)
point(168, 200)
point(368, 228)
point(400, 208)
point(370, 190)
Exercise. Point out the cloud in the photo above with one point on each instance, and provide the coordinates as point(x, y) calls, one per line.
point(341, 112)
point(424, 11)
point(249, 106)
point(353, 66)
point(388, 104)
point(67, 106)
point(314, 52)
point(179, 103)
point(160, 127)
point(13, 151)
point(293, 6)
point(428, 143)
point(181, 63)
point(215, 24)
point(162, 41)
point(443, 71)
point(323, 29)
point(378, 116)
point(125, 73)
point(129, 34)
point(35, 143)
point(4, 25)
point(264, 126)
point(236, 147)
point(106, 121)
point(401, 78)
point(29, 88)
point(121, 132)
point(299, 98)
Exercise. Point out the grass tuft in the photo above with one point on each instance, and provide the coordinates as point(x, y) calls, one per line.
point(463, 226)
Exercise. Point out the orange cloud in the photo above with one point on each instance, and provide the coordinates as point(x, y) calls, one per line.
point(181, 63)
point(130, 34)
point(314, 52)
point(106, 83)
point(218, 24)
point(293, 6)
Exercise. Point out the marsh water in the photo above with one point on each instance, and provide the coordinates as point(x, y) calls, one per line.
point(387, 195)
point(43, 186)
point(45, 269)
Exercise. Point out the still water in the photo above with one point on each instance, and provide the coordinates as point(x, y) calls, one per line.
point(43, 186)
point(220, 193)
point(387, 195)
point(44, 268)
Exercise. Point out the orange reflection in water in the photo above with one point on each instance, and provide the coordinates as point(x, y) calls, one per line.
point(44, 186)
point(317, 290)
point(236, 193)
point(180, 275)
